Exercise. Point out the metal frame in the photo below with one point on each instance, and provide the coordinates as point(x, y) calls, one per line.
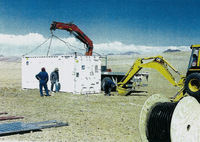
point(20, 127)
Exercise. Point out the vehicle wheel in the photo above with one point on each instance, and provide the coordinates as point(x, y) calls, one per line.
point(192, 85)
point(103, 82)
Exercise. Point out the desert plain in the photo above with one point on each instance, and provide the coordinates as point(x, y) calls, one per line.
point(91, 117)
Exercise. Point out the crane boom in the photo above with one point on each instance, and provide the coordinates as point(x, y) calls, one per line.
point(73, 29)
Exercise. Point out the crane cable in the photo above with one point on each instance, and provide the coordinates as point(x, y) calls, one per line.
point(37, 47)
point(50, 43)
point(71, 45)
point(51, 37)
point(67, 43)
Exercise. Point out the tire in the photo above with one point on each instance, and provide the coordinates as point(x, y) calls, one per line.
point(192, 85)
point(103, 82)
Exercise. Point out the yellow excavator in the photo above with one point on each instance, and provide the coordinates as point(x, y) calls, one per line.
point(189, 84)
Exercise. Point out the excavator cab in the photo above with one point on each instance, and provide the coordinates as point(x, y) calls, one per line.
point(194, 63)
point(192, 82)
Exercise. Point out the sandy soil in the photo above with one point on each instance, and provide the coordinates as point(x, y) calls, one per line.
point(92, 117)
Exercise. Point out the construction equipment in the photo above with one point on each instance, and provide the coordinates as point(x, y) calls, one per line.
point(189, 84)
point(192, 82)
point(73, 29)
point(106, 74)
point(178, 120)
point(158, 63)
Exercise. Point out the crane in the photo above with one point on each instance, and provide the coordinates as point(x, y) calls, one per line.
point(73, 29)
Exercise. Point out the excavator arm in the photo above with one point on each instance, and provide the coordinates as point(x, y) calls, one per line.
point(158, 63)
point(73, 29)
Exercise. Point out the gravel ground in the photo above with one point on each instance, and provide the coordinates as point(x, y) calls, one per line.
point(92, 117)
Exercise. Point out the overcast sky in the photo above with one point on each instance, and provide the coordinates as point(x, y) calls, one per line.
point(144, 26)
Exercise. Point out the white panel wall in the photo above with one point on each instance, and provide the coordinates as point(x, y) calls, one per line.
point(79, 75)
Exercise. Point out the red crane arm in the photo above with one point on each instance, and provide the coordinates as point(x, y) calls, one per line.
point(73, 29)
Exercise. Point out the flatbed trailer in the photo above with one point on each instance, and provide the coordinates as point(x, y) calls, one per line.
point(114, 76)
point(107, 74)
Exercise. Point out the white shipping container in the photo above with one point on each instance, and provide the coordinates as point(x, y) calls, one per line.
point(77, 74)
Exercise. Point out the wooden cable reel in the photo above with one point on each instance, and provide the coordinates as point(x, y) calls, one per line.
point(162, 120)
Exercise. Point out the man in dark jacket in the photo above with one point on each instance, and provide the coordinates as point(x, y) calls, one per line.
point(108, 87)
point(43, 78)
point(54, 78)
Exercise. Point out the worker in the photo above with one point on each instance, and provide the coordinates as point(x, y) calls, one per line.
point(54, 78)
point(194, 61)
point(43, 78)
point(108, 85)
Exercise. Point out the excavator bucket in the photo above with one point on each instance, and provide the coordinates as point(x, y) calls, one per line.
point(127, 92)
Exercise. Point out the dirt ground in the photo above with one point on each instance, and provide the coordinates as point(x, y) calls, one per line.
point(92, 117)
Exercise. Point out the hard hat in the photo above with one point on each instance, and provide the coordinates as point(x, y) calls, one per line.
point(56, 69)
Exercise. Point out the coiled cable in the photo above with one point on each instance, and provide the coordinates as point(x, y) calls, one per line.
point(159, 121)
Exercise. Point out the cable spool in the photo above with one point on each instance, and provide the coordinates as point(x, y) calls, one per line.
point(158, 122)
point(161, 120)
point(146, 109)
